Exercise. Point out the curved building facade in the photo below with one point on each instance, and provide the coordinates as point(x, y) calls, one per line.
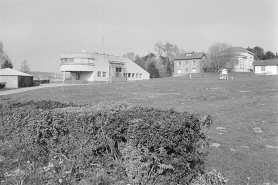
point(94, 67)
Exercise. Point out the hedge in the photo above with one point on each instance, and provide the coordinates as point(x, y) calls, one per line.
point(108, 143)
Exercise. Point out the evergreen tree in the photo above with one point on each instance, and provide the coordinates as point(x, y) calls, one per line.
point(24, 67)
point(7, 63)
point(154, 73)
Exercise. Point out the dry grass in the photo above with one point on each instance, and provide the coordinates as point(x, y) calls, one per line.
point(238, 105)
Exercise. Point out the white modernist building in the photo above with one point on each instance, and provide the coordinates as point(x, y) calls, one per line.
point(94, 67)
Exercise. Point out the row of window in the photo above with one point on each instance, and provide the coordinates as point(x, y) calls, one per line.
point(187, 62)
point(186, 70)
point(77, 61)
point(99, 74)
point(133, 75)
point(118, 74)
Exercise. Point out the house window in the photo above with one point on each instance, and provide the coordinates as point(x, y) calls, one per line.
point(179, 70)
point(99, 74)
point(186, 70)
point(262, 68)
point(118, 72)
point(136, 75)
point(140, 75)
point(118, 69)
point(186, 62)
point(104, 74)
point(129, 75)
point(179, 63)
point(133, 74)
point(193, 62)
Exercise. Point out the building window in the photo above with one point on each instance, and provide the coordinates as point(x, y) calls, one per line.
point(104, 74)
point(186, 70)
point(186, 62)
point(99, 74)
point(129, 75)
point(136, 75)
point(179, 63)
point(118, 71)
point(133, 74)
point(262, 68)
point(140, 75)
point(91, 61)
point(179, 70)
point(193, 62)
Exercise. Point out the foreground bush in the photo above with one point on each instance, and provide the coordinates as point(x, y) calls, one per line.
point(109, 143)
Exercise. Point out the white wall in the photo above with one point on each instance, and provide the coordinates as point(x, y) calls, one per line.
point(11, 81)
point(269, 70)
point(247, 62)
point(132, 67)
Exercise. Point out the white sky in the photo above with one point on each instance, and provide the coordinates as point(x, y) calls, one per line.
point(39, 31)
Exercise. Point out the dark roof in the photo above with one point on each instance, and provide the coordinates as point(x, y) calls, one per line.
point(272, 62)
point(237, 49)
point(197, 55)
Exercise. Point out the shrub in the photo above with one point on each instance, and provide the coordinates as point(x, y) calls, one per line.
point(107, 143)
point(2, 85)
point(209, 178)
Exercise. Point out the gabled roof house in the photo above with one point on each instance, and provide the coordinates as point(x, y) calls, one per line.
point(189, 62)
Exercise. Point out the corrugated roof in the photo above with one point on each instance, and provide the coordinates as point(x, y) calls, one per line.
point(12, 72)
point(237, 49)
point(272, 62)
point(197, 55)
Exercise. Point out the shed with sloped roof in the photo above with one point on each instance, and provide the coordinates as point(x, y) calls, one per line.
point(15, 79)
point(267, 67)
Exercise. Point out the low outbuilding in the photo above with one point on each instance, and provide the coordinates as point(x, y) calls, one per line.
point(266, 67)
point(15, 79)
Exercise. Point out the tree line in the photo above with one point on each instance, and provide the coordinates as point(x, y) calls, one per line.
point(261, 55)
point(5, 61)
point(160, 64)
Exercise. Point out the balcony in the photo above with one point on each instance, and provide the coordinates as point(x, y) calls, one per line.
point(77, 67)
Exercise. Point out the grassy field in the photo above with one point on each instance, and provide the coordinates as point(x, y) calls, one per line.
point(244, 140)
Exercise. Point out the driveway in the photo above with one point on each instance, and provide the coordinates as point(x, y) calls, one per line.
point(13, 91)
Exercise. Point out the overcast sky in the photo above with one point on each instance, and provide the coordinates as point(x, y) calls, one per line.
point(39, 31)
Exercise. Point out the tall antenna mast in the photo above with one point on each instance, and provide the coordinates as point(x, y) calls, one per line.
point(103, 31)
point(103, 37)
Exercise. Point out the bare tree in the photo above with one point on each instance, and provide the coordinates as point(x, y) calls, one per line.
point(158, 48)
point(24, 67)
point(129, 55)
point(220, 56)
